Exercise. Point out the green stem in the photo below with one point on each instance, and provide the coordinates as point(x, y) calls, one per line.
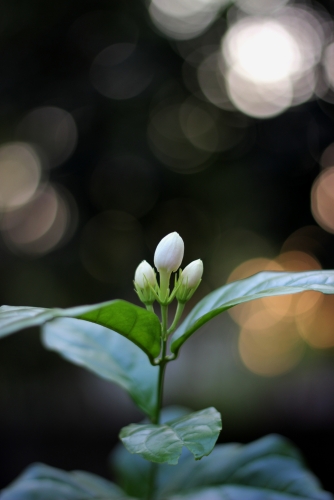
point(162, 368)
point(164, 285)
point(177, 317)
point(160, 387)
point(151, 480)
point(156, 419)
point(150, 308)
point(164, 322)
point(163, 361)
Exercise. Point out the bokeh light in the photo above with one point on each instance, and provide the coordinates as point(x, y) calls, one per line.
point(184, 19)
point(260, 101)
point(328, 62)
point(207, 128)
point(199, 126)
point(310, 240)
point(121, 71)
point(327, 157)
point(235, 247)
point(315, 323)
point(260, 6)
point(322, 200)
point(254, 314)
point(273, 352)
point(271, 62)
point(262, 50)
point(53, 130)
point(170, 144)
point(296, 260)
point(20, 174)
point(270, 341)
point(211, 79)
point(307, 302)
point(40, 225)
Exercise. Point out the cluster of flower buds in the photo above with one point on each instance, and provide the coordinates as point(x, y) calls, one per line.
point(167, 259)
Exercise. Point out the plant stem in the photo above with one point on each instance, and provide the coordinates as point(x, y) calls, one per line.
point(164, 284)
point(163, 362)
point(162, 368)
point(160, 387)
point(164, 321)
point(150, 308)
point(178, 314)
point(151, 480)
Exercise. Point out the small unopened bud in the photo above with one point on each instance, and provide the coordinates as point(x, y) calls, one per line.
point(145, 275)
point(190, 279)
point(192, 274)
point(169, 253)
point(145, 283)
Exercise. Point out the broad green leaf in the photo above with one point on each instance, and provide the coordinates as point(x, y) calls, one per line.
point(244, 493)
point(13, 319)
point(107, 354)
point(132, 472)
point(41, 482)
point(269, 468)
point(197, 431)
point(135, 323)
point(264, 284)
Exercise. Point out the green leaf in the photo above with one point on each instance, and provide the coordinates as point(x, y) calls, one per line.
point(264, 284)
point(198, 432)
point(41, 482)
point(135, 323)
point(268, 468)
point(107, 354)
point(14, 319)
point(133, 472)
point(244, 493)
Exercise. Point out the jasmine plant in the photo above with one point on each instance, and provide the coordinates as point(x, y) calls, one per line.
point(171, 455)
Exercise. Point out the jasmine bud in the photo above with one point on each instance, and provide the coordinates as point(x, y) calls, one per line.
point(145, 283)
point(145, 275)
point(169, 253)
point(189, 280)
point(192, 274)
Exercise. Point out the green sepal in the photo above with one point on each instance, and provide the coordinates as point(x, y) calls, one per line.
point(147, 295)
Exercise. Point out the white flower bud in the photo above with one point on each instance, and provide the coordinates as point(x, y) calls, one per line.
point(169, 253)
point(192, 274)
point(145, 275)
point(189, 281)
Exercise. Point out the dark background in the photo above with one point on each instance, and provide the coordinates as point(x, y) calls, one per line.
point(105, 122)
